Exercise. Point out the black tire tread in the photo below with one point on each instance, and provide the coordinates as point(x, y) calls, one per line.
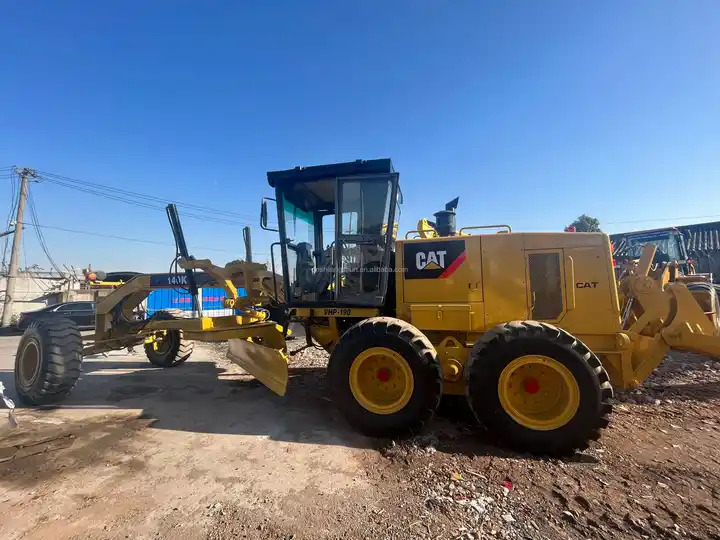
point(388, 329)
point(178, 353)
point(60, 344)
point(503, 334)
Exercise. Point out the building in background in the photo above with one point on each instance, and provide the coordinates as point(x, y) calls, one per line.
point(699, 243)
point(36, 289)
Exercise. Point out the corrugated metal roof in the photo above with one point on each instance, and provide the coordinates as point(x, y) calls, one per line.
point(620, 246)
point(700, 238)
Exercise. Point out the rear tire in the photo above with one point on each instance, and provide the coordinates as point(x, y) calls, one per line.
point(172, 351)
point(48, 361)
point(550, 414)
point(385, 377)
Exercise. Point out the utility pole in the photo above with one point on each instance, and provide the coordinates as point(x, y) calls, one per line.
point(24, 174)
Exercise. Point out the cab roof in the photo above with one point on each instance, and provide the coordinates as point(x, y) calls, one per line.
point(333, 170)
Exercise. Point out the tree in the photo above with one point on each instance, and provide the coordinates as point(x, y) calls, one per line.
point(586, 223)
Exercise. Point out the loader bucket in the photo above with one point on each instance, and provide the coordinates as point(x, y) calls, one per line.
point(267, 365)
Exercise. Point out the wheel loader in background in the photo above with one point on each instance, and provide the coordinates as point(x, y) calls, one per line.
point(532, 328)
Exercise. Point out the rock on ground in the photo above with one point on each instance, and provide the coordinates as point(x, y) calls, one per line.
point(203, 451)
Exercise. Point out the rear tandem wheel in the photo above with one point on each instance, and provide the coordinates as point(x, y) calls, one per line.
point(538, 388)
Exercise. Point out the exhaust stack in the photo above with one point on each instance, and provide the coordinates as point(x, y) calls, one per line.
point(445, 219)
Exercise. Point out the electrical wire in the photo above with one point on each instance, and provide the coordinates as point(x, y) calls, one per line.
point(27, 292)
point(147, 201)
point(151, 197)
point(661, 219)
point(114, 237)
point(140, 203)
point(141, 196)
point(14, 199)
point(39, 234)
point(38, 285)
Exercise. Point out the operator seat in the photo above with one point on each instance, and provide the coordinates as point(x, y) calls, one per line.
point(304, 267)
point(312, 281)
point(325, 272)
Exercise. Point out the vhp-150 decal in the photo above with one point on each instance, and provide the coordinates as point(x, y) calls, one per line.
point(428, 260)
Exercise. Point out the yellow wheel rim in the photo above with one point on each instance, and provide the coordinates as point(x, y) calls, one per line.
point(161, 343)
point(538, 392)
point(381, 380)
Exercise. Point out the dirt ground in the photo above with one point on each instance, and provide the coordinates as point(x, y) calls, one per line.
point(202, 451)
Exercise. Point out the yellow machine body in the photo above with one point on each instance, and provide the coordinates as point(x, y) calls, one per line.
point(522, 324)
point(454, 289)
point(255, 343)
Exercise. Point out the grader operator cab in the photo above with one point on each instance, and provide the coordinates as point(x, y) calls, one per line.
point(532, 328)
point(335, 234)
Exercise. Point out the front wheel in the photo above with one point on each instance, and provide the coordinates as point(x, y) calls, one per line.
point(537, 388)
point(48, 361)
point(385, 377)
point(168, 349)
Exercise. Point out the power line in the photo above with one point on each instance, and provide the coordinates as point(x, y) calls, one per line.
point(14, 197)
point(27, 292)
point(39, 234)
point(661, 219)
point(142, 196)
point(139, 203)
point(126, 238)
point(147, 201)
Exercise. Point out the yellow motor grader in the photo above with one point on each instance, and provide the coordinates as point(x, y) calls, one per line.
point(532, 328)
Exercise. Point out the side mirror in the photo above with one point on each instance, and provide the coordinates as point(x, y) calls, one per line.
point(264, 215)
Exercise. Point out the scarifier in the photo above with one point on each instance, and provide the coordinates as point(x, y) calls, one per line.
point(529, 327)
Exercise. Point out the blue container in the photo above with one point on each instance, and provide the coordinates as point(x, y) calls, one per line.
point(164, 299)
point(213, 297)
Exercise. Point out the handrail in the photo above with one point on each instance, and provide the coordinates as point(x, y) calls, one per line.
point(509, 229)
point(416, 231)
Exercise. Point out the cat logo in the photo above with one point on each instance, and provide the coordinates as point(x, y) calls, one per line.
point(432, 260)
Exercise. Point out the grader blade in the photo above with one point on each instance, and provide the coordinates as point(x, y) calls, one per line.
point(267, 365)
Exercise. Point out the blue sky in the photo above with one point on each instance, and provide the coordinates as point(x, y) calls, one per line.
point(531, 112)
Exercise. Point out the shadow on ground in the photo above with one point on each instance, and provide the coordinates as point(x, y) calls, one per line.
point(200, 397)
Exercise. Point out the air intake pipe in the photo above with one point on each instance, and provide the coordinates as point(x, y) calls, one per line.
point(445, 219)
